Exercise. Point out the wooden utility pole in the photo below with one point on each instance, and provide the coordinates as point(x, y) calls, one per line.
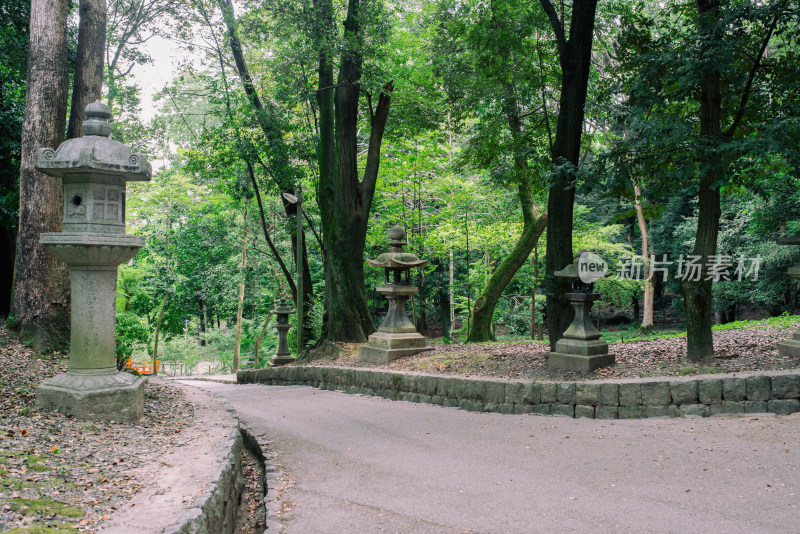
point(299, 269)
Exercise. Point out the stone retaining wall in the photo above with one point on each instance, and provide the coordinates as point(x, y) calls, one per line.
point(772, 392)
point(196, 487)
point(215, 511)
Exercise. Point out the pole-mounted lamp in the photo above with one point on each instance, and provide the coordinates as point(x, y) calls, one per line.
point(298, 201)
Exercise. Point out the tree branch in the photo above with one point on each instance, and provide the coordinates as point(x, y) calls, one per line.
point(378, 123)
point(756, 64)
point(558, 28)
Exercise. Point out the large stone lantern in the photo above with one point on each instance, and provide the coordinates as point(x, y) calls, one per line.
point(581, 348)
point(283, 355)
point(791, 347)
point(397, 337)
point(94, 170)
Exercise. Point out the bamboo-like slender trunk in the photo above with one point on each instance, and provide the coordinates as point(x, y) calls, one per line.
point(649, 289)
point(242, 267)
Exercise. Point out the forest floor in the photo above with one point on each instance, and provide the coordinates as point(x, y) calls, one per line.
point(750, 346)
point(59, 474)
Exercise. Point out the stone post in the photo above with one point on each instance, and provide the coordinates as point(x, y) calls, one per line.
point(94, 170)
point(791, 347)
point(282, 355)
point(581, 348)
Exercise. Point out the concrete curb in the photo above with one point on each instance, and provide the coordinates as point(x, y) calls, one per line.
point(206, 472)
point(774, 392)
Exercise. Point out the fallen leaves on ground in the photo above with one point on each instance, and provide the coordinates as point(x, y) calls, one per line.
point(63, 473)
point(752, 349)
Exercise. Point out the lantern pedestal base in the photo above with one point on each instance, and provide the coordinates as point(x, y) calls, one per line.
point(790, 347)
point(578, 362)
point(281, 360)
point(110, 396)
point(384, 347)
point(581, 348)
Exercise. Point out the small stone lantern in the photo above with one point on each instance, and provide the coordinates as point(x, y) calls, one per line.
point(791, 347)
point(581, 348)
point(397, 337)
point(94, 170)
point(282, 312)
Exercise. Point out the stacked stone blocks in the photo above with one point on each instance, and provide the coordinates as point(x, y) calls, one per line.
point(703, 396)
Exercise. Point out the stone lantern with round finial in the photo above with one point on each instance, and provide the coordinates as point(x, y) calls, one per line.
point(581, 349)
point(397, 337)
point(283, 355)
point(94, 170)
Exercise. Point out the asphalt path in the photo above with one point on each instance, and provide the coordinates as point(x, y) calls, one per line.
point(359, 464)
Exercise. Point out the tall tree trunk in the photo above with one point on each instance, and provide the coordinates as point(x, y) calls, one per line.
point(158, 333)
point(242, 267)
point(345, 200)
point(575, 57)
point(533, 226)
point(452, 293)
point(279, 166)
point(647, 320)
point(88, 78)
point(7, 250)
point(697, 293)
point(41, 283)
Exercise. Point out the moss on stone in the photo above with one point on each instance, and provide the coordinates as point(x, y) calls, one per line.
point(44, 507)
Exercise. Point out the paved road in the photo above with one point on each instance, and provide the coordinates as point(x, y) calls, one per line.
point(357, 464)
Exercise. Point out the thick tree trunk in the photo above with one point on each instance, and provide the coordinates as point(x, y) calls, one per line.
point(89, 64)
point(575, 57)
point(534, 225)
point(41, 283)
point(345, 201)
point(697, 293)
point(647, 320)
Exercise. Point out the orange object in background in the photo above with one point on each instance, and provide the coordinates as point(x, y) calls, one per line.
point(143, 368)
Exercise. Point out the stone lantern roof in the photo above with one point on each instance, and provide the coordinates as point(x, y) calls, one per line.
point(396, 258)
point(94, 153)
point(94, 169)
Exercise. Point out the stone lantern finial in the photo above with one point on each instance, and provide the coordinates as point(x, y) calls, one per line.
point(97, 122)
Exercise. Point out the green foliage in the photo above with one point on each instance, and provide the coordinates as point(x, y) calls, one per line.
point(14, 16)
point(451, 159)
point(132, 330)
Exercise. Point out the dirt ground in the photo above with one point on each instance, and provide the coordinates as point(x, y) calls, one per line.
point(62, 475)
point(752, 349)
